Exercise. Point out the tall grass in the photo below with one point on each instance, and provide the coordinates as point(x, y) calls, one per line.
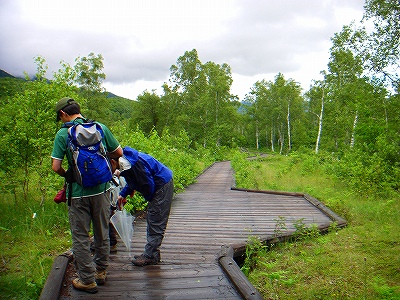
point(361, 261)
point(32, 235)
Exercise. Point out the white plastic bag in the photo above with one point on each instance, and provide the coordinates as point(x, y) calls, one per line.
point(114, 190)
point(123, 223)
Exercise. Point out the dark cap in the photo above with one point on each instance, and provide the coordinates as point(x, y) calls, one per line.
point(62, 103)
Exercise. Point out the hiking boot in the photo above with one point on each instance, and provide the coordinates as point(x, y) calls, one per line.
point(100, 277)
point(157, 255)
point(113, 249)
point(92, 245)
point(88, 288)
point(143, 260)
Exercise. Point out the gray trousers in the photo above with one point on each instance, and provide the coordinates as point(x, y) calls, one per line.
point(84, 211)
point(158, 210)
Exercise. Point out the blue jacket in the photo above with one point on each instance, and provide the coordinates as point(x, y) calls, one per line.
point(146, 174)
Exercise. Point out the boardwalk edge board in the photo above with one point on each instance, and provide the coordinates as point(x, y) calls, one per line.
point(333, 216)
point(52, 287)
point(230, 267)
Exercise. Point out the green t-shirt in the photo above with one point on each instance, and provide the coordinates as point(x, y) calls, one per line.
point(60, 150)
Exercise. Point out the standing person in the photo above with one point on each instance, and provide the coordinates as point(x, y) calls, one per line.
point(87, 205)
point(117, 184)
point(145, 174)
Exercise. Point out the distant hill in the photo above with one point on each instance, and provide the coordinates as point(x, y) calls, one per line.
point(111, 95)
point(5, 74)
point(243, 106)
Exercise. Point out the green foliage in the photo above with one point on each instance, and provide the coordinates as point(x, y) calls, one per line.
point(29, 128)
point(370, 173)
point(89, 72)
point(120, 109)
point(10, 86)
point(276, 279)
point(198, 102)
point(303, 232)
point(136, 204)
point(384, 291)
point(148, 112)
point(366, 173)
point(382, 45)
point(96, 107)
point(254, 249)
point(33, 233)
point(280, 226)
point(275, 107)
point(243, 170)
point(185, 164)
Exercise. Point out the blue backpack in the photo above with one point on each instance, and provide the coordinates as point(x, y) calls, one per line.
point(90, 164)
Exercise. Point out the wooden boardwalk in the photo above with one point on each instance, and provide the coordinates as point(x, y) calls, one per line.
point(209, 224)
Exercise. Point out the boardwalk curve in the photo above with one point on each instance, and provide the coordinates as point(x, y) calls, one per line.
point(209, 225)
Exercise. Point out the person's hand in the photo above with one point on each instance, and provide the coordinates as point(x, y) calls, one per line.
point(69, 176)
point(121, 202)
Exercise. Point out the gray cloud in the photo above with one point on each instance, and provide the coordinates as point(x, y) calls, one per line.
point(260, 37)
point(266, 37)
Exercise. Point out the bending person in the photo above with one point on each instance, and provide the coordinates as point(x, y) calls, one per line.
point(145, 174)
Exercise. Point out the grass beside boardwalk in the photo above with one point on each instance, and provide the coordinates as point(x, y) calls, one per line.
point(32, 235)
point(361, 261)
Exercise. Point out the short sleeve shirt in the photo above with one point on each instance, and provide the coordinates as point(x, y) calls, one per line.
point(60, 150)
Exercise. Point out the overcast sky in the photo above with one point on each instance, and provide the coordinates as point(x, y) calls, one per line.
point(140, 40)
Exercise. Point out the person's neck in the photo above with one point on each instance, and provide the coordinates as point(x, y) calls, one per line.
point(73, 117)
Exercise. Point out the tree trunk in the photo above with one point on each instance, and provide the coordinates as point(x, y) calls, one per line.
point(216, 119)
point(281, 141)
point(288, 127)
point(257, 134)
point(353, 134)
point(272, 140)
point(320, 123)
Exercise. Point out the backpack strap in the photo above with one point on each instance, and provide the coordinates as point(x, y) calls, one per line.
point(69, 125)
point(69, 193)
point(114, 182)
